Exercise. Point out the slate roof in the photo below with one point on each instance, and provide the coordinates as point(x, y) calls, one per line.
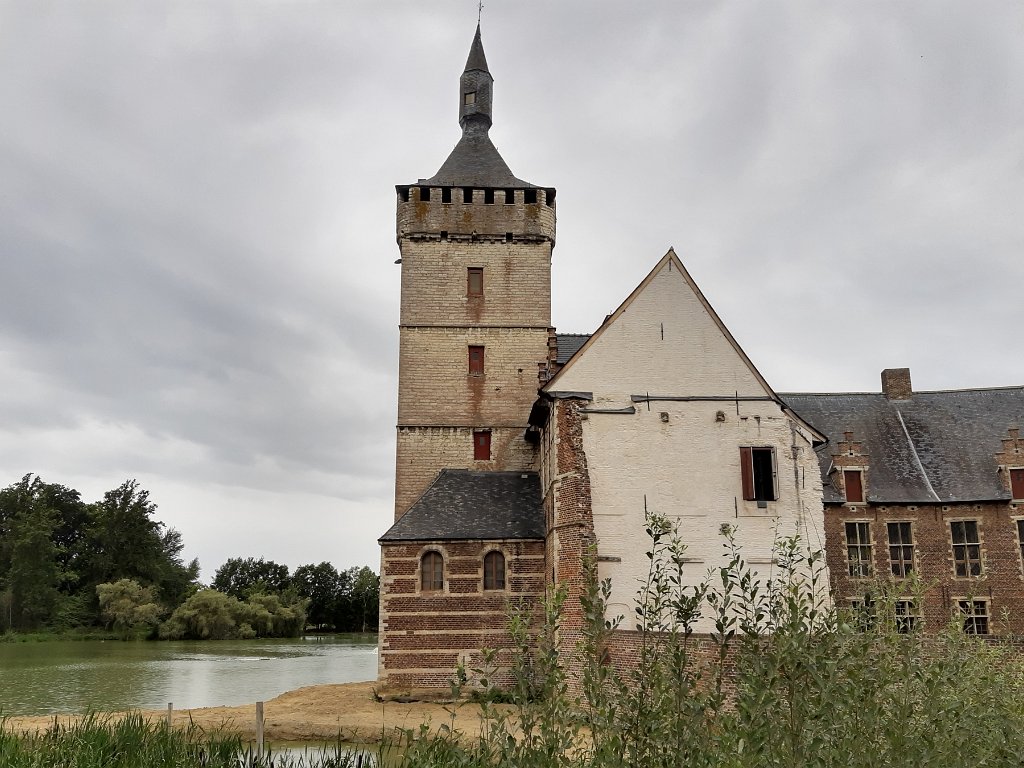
point(475, 162)
point(464, 504)
point(568, 345)
point(954, 434)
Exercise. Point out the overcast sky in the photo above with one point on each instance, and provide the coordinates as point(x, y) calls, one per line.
point(197, 234)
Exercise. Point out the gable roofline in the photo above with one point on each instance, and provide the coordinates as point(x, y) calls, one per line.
point(672, 260)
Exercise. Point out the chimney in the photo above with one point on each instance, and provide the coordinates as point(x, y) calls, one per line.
point(896, 384)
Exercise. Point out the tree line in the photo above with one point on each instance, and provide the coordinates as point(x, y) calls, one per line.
point(67, 564)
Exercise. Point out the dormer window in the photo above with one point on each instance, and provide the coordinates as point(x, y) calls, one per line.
point(853, 481)
point(469, 98)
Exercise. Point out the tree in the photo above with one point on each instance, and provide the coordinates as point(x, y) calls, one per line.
point(206, 615)
point(128, 606)
point(365, 598)
point(33, 574)
point(241, 578)
point(126, 539)
point(321, 586)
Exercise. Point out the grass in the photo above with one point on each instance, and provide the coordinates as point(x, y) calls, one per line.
point(102, 741)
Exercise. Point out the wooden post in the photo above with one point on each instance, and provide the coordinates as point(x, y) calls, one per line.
point(259, 728)
point(170, 713)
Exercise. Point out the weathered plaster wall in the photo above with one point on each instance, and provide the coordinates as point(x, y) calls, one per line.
point(665, 342)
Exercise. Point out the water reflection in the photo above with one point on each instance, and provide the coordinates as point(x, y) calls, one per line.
point(51, 677)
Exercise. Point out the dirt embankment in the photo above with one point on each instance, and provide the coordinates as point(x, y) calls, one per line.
point(319, 712)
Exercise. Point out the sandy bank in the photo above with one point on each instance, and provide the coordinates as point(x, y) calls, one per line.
point(318, 712)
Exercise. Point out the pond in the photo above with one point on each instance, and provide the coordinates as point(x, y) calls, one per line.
point(39, 678)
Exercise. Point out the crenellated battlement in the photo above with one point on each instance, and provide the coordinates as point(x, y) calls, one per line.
point(472, 213)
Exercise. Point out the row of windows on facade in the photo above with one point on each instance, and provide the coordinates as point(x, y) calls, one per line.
point(508, 196)
point(853, 482)
point(975, 614)
point(964, 537)
point(432, 571)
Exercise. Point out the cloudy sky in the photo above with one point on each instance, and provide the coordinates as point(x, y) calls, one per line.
point(197, 279)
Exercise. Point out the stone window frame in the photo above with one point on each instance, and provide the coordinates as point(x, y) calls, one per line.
point(862, 471)
point(912, 545)
point(504, 569)
point(860, 545)
point(980, 545)
point(971, 619)
point(438, 550)
point(911, 616)
point(1018, 526)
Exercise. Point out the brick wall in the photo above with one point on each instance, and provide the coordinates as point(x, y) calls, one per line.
point(426, 635)
point(1002, 579)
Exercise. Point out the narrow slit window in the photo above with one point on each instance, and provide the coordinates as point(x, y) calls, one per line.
point(476, 361)
point(494, 571)
point(475, 281)
point(431, 572)
point(901, 549)
point(482, 445)
point(966, 548)
point(854, 482)
point(858, 549)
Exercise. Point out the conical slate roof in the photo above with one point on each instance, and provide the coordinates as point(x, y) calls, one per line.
point(475, 161)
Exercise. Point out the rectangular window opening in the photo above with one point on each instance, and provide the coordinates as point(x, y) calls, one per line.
point(906, 616)
point(446, 194)
point(863, 610)
point(467, 194)
point(476, 361)
point(475, 281)
point(530, 196)
point(853, 481)
point(858, 549)
point(508, 237)
point(482, 445)
point(757, 471)
point(488, 197)
point(975, 615)
point(901, 549)
point(424, 194)
point(510, 196)
point(469, 98)
point(1017, 483)
point(966, 548)
point(404, 194)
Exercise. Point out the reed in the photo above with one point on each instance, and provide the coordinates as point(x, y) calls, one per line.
point(129, 741)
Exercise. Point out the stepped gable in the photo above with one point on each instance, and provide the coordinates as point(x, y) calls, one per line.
point(932, 441)
point(465, 504)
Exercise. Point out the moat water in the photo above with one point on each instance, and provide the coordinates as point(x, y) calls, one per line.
point(49, 677)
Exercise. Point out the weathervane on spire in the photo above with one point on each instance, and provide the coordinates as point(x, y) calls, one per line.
point(479, 11)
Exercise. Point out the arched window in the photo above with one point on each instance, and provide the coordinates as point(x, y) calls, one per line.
point(431, 572)
point(494, 571)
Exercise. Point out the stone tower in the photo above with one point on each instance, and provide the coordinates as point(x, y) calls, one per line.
point(475, 245)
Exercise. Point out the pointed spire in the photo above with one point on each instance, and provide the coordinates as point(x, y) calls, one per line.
point(476, 59)
point(475, 88)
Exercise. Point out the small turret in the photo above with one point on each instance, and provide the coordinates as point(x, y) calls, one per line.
point(475, 88)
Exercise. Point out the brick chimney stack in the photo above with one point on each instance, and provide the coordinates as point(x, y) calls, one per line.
point(896, 384)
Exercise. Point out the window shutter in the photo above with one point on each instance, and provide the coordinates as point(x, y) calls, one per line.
point(747, 473)
point(854, 487)
point(1017, 483)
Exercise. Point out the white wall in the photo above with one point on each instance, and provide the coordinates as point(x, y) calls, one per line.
point(687, 461)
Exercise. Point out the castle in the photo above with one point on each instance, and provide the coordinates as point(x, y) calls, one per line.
point(519, 449)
